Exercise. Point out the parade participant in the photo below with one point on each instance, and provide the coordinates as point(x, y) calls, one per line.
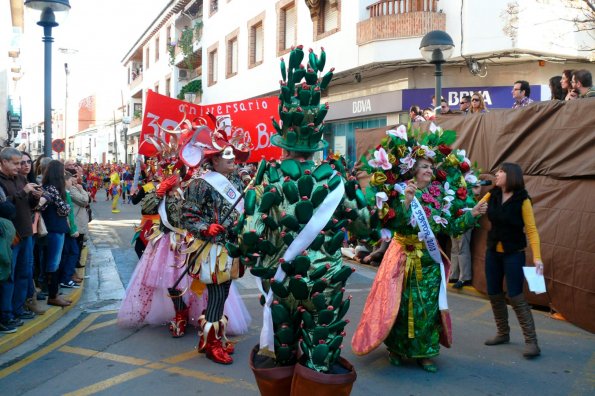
point(421, 188)
point(511, 216)
point(295, 222)
point(147, 299)
point(149, 202)
point(115, 188)
point(209, 217)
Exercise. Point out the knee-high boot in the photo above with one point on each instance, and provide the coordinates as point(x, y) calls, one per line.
point(500, 311)
point(525, 317)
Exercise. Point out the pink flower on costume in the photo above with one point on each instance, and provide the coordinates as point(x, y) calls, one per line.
point(434, 190)
point(440, 220)
point(380, 160)
point(428, 211)
point(427, 198)
point(400, 133)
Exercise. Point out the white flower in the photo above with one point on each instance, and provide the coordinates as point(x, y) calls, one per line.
point(380, 160)
point(430, 153)
point(471, 178)
point(433, 128)
point(446, 207)
point(386, 234)
point(399, 188)
point(400, 133)
point(440, 220)
point(381, 197)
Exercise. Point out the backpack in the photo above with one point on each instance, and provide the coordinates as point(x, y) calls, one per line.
point(7, 234)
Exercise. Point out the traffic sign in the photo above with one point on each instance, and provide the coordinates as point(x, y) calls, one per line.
point(58, 145)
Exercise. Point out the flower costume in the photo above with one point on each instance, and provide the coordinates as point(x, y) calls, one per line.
point(407, 308)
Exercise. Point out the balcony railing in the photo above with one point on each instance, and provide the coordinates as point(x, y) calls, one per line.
point(396, 19)
point(391, 7)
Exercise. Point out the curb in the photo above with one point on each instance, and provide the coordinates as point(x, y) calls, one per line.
point(34, 326)
point(39, 323)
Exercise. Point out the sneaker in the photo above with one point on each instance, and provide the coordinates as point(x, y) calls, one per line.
point(6, 328)
point(16, 322)
point(70, 285)
point(26, 314)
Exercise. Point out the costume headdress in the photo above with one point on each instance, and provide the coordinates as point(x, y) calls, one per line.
point(392, 161)
point(301, 126)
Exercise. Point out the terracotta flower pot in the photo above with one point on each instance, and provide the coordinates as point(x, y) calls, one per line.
point(274, 381)
point(305, 380)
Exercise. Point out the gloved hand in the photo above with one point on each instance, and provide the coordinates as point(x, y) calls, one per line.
point(166, 185)
point(213, 230)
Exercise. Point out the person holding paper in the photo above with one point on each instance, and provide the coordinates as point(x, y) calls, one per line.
point(511, 215)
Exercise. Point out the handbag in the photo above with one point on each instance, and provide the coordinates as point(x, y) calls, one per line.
point(39, 223)
point(89, 213)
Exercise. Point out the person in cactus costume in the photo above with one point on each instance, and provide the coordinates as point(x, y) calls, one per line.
point(421, 188)
point(295, 220)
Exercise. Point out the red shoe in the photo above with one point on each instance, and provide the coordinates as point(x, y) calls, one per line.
point(227, 345)
point(177, 326)
point(210, 343)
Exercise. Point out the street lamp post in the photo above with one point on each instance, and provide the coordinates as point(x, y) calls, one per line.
point(125, 123)
point(436, 47)
point(48, 21)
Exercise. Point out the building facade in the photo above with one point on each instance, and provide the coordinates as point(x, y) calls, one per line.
point(233, 48)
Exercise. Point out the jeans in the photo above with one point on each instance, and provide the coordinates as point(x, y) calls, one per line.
point(509, 265)
point(70, 255)
point(13, 291)
point(53, 251)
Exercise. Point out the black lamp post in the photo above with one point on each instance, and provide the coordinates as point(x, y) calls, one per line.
point(48, 21)
point(436, 47)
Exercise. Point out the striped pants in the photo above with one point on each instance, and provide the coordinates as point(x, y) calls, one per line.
point(216, 301)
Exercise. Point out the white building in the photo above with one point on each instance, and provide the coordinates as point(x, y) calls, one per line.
point(373, 45)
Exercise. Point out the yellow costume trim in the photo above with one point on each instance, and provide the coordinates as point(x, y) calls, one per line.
point(413, 249)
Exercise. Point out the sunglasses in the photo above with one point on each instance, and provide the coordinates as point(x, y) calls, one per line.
point(475, 100)
point(26, 162)
point(463, 102)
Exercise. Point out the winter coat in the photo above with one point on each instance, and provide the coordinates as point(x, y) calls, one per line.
point(80, 200)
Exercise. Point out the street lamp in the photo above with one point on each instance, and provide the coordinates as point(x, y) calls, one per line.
point(47, 20)
point(125, 123)
point(436, 47)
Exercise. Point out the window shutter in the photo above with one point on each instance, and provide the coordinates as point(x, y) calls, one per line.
point(290, 25)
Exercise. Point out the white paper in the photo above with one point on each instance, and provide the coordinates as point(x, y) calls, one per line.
point(536, 282)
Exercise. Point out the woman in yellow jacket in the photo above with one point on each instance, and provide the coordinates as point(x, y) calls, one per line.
point(511, 215)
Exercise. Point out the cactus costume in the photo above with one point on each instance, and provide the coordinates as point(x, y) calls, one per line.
point(294, 224)
point(407, 308)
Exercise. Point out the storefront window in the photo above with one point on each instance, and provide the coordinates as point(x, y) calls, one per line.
point(342, 138)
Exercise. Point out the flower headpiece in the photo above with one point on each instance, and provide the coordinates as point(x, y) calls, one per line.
point(391, 163)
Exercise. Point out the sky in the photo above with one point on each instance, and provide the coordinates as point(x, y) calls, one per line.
point(96, 35)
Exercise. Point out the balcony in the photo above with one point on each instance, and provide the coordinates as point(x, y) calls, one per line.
point(396, 19)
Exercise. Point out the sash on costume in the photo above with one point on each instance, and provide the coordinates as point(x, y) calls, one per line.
point(427, 236)
point(301, 242)
point(225, 188)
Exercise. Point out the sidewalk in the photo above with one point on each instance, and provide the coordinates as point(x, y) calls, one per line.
point(40, 322)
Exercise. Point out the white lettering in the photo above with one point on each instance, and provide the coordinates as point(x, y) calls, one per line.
point(264, 140)
point(486, 97)
point(361, 106)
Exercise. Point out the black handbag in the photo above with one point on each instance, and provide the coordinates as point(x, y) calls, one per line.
point(89, 213)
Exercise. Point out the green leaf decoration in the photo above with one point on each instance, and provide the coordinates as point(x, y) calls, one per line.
point(318, 195)
point(270, 223)
point(279, 289)
point(233, 250)
point(326, 316)
point(342, 275)
point(263, 272)
point(305, 349)
point(317, 242)
point(298, 288)
point(291, 168)
point(448, 137)
point(335, 243)
point(319, 271)
point(319, 333)
point(250, 238)
point(322, 171)
point(305, 185)
point(283, 354)
point(307, 320)
point(337, 299)
point(319, 285)
point(250, 202)
point(279, 313)
point(335, 343)
point(301, 264)
point(338, 326)
point(288, 268)
point(343, 308)
point(320, 354)
point(304, 211)
point(319, 301)
point(290, 222)
point(290, 191)
point(334, 182)
point(267, 201)
point(262, 166)
point(285, 335)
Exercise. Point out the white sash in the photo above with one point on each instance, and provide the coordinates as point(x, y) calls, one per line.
point(224, 188)
point(299, 244)
point(427, 236)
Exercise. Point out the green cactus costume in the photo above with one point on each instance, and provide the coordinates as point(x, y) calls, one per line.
point(286, 208)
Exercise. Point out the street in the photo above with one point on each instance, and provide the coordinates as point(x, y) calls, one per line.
point(90, 354)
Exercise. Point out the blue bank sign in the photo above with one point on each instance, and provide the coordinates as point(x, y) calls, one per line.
point(494, 97)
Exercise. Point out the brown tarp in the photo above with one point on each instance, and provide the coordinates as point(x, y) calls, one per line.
point(554, 142)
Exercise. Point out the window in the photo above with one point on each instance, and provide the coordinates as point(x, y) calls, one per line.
point(168, 87)
point(231, 68)
point(213, 65)
point(157, 50)
point(157, 88)
point(287, 27)
point(213, 7)
point(327, 21)
point(147, 57)
point(256, 44)
point(171, 34)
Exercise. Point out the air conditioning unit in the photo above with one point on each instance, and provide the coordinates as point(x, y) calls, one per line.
point(183, 74)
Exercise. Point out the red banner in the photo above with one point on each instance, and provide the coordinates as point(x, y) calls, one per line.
point(253, 116)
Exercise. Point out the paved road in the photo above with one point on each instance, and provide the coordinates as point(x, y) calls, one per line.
point(86, 353)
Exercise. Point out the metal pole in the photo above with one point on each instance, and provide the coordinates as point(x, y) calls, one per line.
point(438, 93)
point(66, 140)
point(47, 89)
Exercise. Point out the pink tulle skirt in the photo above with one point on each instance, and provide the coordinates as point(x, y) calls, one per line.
point(147, 298)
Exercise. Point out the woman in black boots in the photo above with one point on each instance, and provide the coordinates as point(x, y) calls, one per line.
point(511, 215)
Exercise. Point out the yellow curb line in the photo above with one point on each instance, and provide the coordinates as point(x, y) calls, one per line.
point(69, 336)
point(39, 323)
